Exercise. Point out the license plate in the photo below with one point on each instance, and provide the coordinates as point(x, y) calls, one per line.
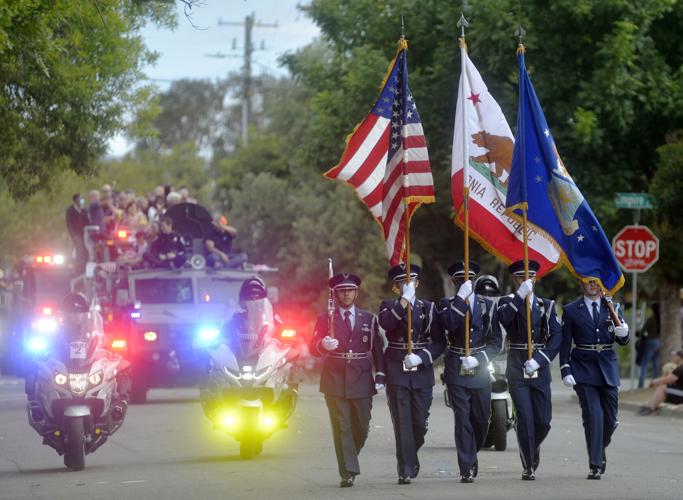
point(78, 350)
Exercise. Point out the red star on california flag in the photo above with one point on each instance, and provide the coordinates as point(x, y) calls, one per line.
point(474, 98)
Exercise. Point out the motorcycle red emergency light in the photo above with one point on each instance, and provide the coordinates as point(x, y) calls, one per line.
point(288, 334)
point(122, 234)
point(119, 344)
point(46, 311)
point(39, 259)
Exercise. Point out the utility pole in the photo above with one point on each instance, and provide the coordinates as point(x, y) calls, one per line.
point(249, 24)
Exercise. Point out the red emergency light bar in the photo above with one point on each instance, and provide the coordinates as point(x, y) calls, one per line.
point(45, 259)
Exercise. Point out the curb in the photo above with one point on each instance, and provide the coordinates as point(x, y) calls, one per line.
point(666, 411)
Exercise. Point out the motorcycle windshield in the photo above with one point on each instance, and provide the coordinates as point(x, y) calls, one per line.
point(82, 335)
point(252, 328)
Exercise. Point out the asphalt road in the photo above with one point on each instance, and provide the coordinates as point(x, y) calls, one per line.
point(167, 450)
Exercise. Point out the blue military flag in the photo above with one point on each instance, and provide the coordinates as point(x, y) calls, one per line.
point(540, 182)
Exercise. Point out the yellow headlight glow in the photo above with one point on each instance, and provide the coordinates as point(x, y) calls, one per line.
point(61, 379)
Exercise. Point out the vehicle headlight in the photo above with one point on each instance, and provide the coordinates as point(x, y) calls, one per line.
point(95, 378)
point(45, 325)
point(61, 379)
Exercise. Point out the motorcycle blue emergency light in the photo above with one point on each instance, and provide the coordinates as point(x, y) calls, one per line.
point(207, 335)
point(37, 345)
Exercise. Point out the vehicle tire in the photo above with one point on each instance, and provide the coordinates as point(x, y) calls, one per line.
point(74, 454)
point(498, 429)
point(250, 448)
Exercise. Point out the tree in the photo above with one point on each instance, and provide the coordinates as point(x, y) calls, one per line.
point(69, 73)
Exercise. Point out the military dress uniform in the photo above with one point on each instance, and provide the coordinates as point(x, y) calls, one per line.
point(587, 354)
point(469, 395)
point(347, 379)
point(531, 396)
point(409, 393)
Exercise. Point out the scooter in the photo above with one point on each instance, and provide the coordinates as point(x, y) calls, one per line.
point(502, 410)
point(79, 399)
point(248, 391)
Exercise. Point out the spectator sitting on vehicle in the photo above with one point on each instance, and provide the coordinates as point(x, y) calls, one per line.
point(156, 210)
point(219, 246)
point(669, 388)
point(173, 198)
point(168, 249)
point(134, 220)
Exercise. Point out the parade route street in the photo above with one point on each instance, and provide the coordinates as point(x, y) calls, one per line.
point(168, 450)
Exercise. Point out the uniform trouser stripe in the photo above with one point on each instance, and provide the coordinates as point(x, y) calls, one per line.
point(350, 419)
point(533, 408)
point(409, 409)
point(599, 406)
point(472, 409)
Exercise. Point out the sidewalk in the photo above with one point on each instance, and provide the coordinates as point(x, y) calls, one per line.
point(633, 400)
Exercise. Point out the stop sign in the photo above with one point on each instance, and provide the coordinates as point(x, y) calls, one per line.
point(636, 248)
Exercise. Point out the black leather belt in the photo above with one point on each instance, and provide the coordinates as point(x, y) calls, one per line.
point(594, 347)
point(461, 350)
point(402, 345)
point(525, 346)
point(349, 355)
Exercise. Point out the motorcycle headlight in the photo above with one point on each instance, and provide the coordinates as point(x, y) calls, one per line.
point(207, 336)
point(61, 379)
point(95, 378)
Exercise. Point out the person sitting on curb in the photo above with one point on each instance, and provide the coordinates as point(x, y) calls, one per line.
point(669, 388)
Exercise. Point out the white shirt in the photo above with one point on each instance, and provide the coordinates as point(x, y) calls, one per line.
point(352, 317)
point(589, 304)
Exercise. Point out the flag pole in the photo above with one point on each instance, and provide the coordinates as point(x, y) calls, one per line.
point(462, 23)
point(404, 45)
point(520, 32)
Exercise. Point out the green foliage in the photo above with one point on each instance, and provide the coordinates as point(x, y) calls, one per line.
point(68, 74)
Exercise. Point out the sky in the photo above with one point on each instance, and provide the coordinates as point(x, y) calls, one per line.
point(183, 51)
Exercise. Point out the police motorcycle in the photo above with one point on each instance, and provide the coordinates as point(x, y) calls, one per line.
point(248, 389)
point(77, 389)
point(502, 411)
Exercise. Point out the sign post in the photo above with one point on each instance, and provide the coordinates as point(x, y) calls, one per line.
point(636, 248)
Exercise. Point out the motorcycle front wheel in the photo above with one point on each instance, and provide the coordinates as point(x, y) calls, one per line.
point(498, 428)
point(74, 454)
point(249, 448)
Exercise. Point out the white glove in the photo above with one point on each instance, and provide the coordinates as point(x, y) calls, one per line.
point(330, 344)
point(469, 362)
point(525, 288)
point(409, 292)
point(379, 387)
point(530, 366)
point(465, 290)
point(568, 380)
point(621, 331)
point(412, 360)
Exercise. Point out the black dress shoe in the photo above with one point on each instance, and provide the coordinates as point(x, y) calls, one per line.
point(469, 478)
point(603, 467)
point(403, 480)
point(346, 482)
point(475, 469)
point(594, 473)
point(528, 475)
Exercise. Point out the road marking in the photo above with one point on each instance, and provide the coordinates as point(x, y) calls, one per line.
point(135, 481)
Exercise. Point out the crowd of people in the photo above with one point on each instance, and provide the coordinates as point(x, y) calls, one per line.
point(143, 234)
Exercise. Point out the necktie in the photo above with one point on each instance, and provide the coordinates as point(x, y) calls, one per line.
point(347, 320)
point(596, 314)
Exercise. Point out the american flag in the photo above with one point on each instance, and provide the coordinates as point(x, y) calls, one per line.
point(386, 159)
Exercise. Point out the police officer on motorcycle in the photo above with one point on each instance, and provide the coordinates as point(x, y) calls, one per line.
point(529, 377)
